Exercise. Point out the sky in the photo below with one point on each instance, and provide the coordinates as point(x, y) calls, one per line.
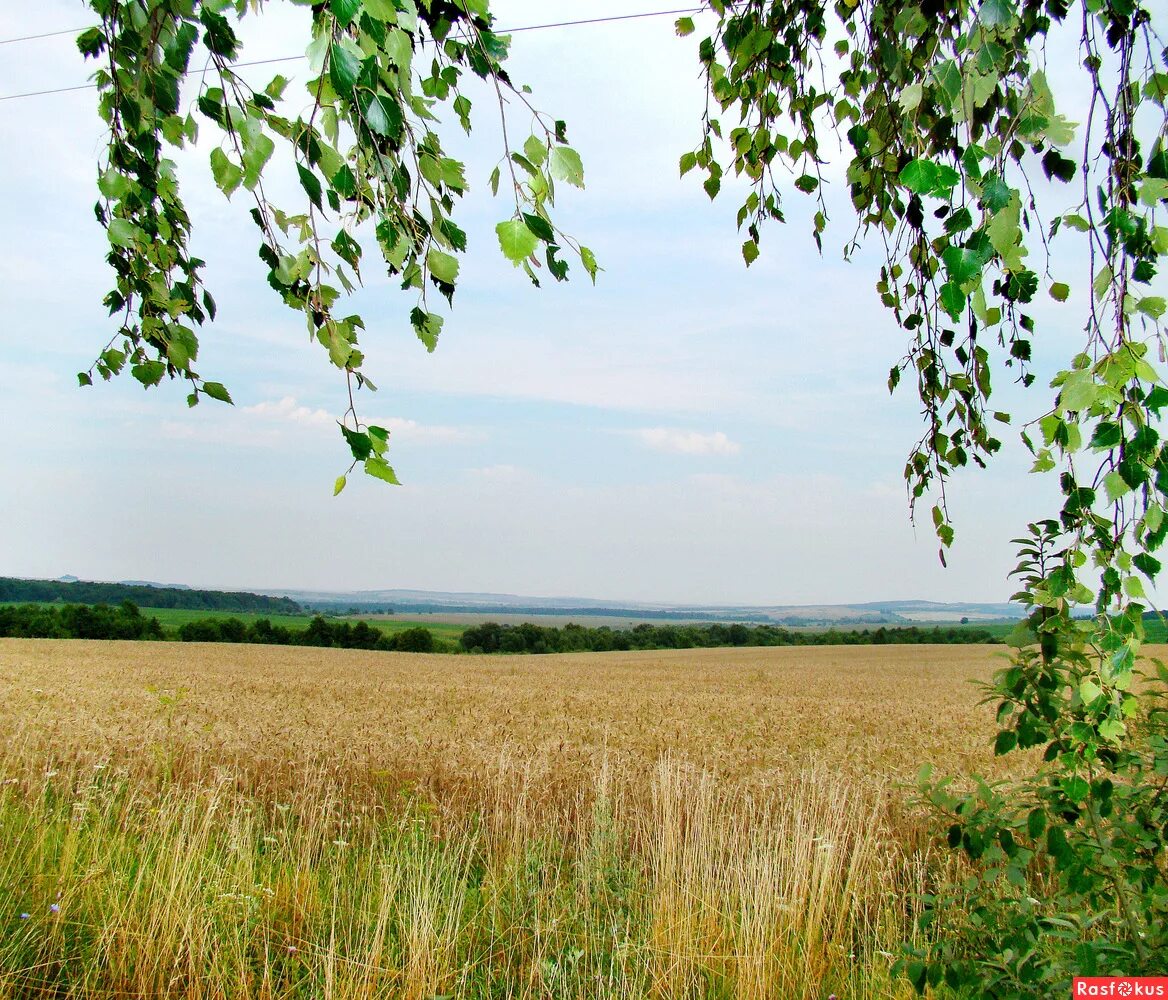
point(687, 431)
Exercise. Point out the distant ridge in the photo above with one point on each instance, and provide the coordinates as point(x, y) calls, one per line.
point(405, 601)
point(148, 595)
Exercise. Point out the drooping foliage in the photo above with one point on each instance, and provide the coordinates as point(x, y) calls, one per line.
point(365, 150)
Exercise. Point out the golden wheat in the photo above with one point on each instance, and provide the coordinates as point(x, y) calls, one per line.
point(439, 723)
point(242, 821)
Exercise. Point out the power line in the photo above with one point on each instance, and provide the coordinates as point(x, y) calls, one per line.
point(282, 59)
point(42, 93)
point(47, 34)
point(600, 20)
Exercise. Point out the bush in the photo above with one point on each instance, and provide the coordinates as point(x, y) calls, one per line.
point(201, 630)
point(414, 640)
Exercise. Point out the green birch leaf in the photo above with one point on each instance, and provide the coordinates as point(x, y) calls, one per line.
point(427, 326)
point(123, 233)
point(113, 185)
point(961, 265)
point(996, 193)
point(379, 436)
point(1112, 729)
point(959, 221)
point(1005, 234)
point(228, 176)
point(919, 176)
point(540, 226)
point(257, 150)
point(382, 114)
point(344, 182)
point(359, 443)
point(1115, 486)
point(399, 50)
point(1151, 305)
point(947, 179)
point(948, 78)
point(311, 184)
point(442, 266)
point(345, 10)
point(910, 97)
point(379, 468)
point(588, 259)
point(216, 390)
point(535, 150)
point(275, 89)
point(383, 10)
point(1079, 391)
point(516, 240)
point(566, 165)
point(149, 372)
point(317, 51)
point(344, 69)
point(995, 13)
point(953, 299)
point(1102, 283)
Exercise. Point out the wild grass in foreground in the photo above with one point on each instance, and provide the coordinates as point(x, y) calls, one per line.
point(196, 890)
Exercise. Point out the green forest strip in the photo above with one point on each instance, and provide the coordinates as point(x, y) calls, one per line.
point(18, 591)
point(126, 621)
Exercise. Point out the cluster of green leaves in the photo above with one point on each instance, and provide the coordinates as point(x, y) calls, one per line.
point(366, 151)
point(949, 116)
point(945, 114)
point(1068, 865)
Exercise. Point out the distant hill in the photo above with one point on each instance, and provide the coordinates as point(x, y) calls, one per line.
point(933, 611)
point(146, 593)
point(471, 602)
point(13, 590)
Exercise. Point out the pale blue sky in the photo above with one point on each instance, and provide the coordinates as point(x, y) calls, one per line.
point(685, 431)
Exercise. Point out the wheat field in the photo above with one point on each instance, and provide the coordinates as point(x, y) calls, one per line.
point(247, 821)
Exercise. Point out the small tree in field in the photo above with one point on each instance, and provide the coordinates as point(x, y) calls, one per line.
point(961, 163)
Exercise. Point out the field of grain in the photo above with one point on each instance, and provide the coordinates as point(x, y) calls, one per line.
point(246, 821)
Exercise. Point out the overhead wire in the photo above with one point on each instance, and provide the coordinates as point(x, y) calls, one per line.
point(281, 59)
point(44, 34)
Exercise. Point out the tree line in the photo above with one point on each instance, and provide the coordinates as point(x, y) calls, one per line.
point(82, 592)
point(319, 632)
point(126, 621)
point(77, 621)
point(491, 637)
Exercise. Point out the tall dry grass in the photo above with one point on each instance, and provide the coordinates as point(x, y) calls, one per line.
point(301, 823)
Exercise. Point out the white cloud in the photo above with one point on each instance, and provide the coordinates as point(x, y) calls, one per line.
point(411, 430)
point(686, 442)
point(290, 409)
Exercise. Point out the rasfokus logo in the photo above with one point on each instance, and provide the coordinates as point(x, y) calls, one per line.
point(1120, 986)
